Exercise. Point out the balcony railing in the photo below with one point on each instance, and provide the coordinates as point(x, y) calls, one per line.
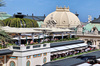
point(29, 47)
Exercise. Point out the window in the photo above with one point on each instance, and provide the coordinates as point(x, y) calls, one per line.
point(39, 55)
point(12, 63)
point(12, 57)
point(44, 60)
point(44, 54)
point(44, 45)
point(28, 63)
point(1, 57)
point(37, 46)
point(28, 57)
point(34, 56)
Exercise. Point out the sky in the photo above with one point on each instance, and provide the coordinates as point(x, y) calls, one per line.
point(41, 7)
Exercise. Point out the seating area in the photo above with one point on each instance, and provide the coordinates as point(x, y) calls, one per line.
point(71, 52)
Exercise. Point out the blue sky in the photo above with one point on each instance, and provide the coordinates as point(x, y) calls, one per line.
point(41, 7)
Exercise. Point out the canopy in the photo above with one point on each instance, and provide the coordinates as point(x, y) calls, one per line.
point(19, 30)
point(67, 47)
point(53, 50)
point(59, 30)
point(61, 48)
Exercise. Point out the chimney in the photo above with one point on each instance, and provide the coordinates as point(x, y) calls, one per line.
point(32, 14)
point(76, 14)
point(44, 16)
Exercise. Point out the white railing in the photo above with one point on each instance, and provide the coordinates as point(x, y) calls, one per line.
point(30, 47)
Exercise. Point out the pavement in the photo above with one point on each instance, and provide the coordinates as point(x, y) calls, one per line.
point(72, 61)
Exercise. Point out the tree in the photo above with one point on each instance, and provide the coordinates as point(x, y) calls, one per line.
point(2, 3)
point(4, 37)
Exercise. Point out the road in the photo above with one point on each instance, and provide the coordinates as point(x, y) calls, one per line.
point(71, 61)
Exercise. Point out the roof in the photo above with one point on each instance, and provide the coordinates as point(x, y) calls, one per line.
point(89, 26)
point(64, 19)
point(66, 43)
point(40, 23)
point(19, 30)
point(5, 52)
point(59, 30)
point(72, 61)
point(96, 20)
point(37, 18)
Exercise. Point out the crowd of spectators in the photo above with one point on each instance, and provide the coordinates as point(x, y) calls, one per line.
point(71, 52)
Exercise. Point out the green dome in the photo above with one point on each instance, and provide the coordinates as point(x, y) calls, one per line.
point(19, 22)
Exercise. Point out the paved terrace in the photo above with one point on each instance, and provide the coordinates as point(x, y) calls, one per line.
point(71, 61)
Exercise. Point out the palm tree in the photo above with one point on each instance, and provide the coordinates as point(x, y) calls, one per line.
point(2, 3)
point(4, 37)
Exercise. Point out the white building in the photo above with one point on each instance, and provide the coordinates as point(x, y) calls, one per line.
point(26, 55)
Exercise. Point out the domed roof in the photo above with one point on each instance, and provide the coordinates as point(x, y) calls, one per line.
point(63, 17)
point(19, 22)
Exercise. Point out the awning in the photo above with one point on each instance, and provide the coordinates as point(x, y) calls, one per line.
point(61, 48)
point(19, 30)
point(71, 46)
point(76, 45)
point(68, 47)
point(5, 52)
point(82, 44)
point(53, 50)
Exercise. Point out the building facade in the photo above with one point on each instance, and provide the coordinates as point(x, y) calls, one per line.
point(90, 33)
point(27, 55)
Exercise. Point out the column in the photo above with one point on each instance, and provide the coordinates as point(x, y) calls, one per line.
point(26, 39)
point(19, 37)
point(53, 35)
point(94, 43)
point(5, 64)
point(70, 36)
point(97, 44)
point(39, 38)
point(33, 37)
point(62, 35)
point(21, 61)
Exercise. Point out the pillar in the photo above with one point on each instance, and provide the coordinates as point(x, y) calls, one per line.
point(33, 37)
point(19, 37)
point(39, 38)
point(5, 59)
point(62, 35)
point(70, 36)
point(53, 35)
point(21, 61)
point(97, 44)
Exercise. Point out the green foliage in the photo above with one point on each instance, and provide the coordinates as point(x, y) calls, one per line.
point(4, 36)
point(2, 3)
point(16, 22)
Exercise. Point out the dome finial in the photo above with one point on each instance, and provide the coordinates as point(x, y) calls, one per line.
point(64, 6)
point(60, 7)
point(56, 6)
point(68, 7)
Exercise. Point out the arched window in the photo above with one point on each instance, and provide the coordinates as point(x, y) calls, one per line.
point(28, 63)
point(44, 60)
point(89, 42)
point(12, 63)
